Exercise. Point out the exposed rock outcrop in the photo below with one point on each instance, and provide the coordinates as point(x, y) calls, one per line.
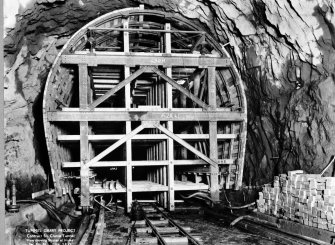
point(285, 51)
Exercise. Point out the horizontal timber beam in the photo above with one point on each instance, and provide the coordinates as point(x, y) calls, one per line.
point(142, 137)
point(102, 164)
point(73, 116)
point(135, 59)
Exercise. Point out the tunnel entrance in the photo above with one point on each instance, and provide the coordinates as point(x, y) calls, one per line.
point(145, 104)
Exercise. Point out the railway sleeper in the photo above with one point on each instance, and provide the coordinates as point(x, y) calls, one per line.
point(168, 240)
point(162, 230)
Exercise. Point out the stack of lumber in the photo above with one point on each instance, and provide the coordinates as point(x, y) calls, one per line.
point(305, 198)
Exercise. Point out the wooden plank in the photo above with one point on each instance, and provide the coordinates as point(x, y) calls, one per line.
point(148, 54)
point(99, 227)
point(162, 230)
point(83, 85)
point(55, 116)
point(213, 142)
point(167, 37)
point(101, 87)
point(84, 222)
point(202, 162)
point(170, 144)
point(230, 154)
point(147, 186)
point(214, 169)
point(129, 176)
point(143, 223)
point(189, 186)
point(126, 31)
point(84, 238)
point(144, 30)
point(165, 181)
point(136, 59)
point(129, 169)
point(211, 87)
point(149, 162)
point(115, 145)
point(84, 145)
point(149, 137)
point(119, 86)
point(100, 164)
point(144, 108)
point(241, 154)
point(106, 81)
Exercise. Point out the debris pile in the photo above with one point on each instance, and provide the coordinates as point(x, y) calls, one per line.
point(306, 198)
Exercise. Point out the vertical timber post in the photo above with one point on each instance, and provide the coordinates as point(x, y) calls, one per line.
point(169, 101)
point(129, 177)
point(84, 146)
point(213, 142)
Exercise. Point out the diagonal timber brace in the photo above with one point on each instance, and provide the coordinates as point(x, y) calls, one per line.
point(124, 139)
point(119, 86)
point(139, 129)
point(173, 83)
point(185, 144)
point(115, 145)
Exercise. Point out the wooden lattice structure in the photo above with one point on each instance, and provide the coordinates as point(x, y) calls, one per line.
point(144, 103)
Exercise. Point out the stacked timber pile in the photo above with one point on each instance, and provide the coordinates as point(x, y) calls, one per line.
point(305, 198)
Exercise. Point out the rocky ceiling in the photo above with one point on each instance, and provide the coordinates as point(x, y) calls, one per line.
point(284, 50)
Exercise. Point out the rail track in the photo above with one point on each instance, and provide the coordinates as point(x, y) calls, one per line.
point(154, 226)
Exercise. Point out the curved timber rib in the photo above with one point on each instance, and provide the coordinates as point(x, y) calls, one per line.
point(144, 102)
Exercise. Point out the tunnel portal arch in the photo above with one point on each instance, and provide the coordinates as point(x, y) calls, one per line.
point(144, 104)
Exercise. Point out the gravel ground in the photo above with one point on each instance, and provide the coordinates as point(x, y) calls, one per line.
point(213, 231)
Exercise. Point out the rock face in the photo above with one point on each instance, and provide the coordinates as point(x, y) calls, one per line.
point(284, 50)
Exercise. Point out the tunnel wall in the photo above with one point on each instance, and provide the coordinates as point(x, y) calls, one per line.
point(284, 50)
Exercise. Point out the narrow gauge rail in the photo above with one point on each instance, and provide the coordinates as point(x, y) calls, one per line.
point(155, 226)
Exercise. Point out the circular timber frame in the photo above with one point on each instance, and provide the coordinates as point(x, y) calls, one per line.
point(144, 102)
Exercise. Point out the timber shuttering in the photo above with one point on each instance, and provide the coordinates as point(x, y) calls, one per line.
point(143, 103)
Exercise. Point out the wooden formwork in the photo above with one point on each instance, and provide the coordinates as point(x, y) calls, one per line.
point(150, 96)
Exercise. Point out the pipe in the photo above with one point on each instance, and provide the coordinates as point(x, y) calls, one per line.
point(241, 207)
point(103, 205)
point(205, 196)
point(248, 217)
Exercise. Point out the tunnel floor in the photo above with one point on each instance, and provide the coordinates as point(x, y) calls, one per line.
point(213, 231)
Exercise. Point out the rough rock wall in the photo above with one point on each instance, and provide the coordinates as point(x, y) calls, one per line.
point(31, 45)
point(285, 51)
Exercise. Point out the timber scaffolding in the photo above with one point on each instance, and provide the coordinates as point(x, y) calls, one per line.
point(145, 104)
